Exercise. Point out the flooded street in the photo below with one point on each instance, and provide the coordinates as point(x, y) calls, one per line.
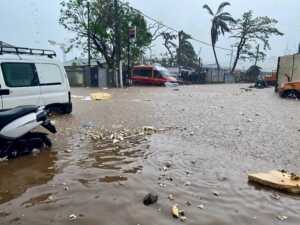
point(209, 138)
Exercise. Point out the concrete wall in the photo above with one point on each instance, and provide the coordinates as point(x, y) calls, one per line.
point(76, 77)
point(213, 76)
point(288, 65)
point(81, 77)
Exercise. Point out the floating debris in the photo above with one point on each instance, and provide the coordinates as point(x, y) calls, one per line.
point(216, 193)
point(280, 180)
point(187, 183)
point(72, 217)
point(149, 130)
point(100, 96)
point(66, 188)
point(281, 218)
point(193, 162)
point(188, 203)
point(177, 213)
point(275, 196)
point(168, 164)
point(165, 168)
point(150, 199)
point(171, 197)
point(201, 206)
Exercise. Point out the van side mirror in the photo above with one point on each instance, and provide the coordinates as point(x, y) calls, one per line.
point(4, 92)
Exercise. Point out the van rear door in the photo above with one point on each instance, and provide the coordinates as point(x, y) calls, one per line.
point(22, 81)
point(53, 84)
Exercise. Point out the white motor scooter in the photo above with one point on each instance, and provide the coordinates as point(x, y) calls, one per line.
point(16, 125)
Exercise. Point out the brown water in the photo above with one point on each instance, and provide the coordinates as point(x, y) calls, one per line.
point(215, 136)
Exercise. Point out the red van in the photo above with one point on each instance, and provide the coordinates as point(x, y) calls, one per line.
point(151, 75)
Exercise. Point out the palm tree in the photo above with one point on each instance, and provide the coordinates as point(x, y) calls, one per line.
point(219, 26)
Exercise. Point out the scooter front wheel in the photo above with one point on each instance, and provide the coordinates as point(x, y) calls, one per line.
point(47, 141)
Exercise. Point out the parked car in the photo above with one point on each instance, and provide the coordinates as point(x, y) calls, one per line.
point(151, 75)
point(33, 77)
point(290, 89)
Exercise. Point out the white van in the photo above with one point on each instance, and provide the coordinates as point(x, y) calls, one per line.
point(33, 77)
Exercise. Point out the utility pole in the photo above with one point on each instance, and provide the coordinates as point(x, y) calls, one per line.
point(131, 36)
point(128, 57)
point(117, 40)
point(179, 60)
point(231, 58)
point(89, 39)
point(257, 55)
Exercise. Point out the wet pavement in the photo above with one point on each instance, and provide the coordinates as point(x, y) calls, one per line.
point(103, 162)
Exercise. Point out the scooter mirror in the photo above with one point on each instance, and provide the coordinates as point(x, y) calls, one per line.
point(4, 92)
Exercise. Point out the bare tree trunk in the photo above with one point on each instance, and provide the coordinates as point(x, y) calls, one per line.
point(216, 58)
point(235, 61)
point(238, 53)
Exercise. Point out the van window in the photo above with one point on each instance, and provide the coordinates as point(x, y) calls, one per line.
point(143, 72)
point(19, 74)
point(157, 74)
point(49, 74)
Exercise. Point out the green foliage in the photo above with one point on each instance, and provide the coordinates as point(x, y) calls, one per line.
point(188, 56)
point(250, 31)
point(103, 22)
point(219, 25)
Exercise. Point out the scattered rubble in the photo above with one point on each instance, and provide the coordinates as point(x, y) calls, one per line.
point(121, 138)
point(148, 130)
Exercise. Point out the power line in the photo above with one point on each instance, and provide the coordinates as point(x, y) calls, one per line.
point(175, 30)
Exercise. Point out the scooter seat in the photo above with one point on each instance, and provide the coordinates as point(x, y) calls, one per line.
point(10, 115)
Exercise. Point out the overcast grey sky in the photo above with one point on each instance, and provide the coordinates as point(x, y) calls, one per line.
point(33, 22)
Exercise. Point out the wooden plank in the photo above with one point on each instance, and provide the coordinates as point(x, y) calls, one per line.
point(278, 180)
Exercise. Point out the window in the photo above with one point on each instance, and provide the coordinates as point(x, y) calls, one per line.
point(49, 74)
point(157, 74)
point(163, 71)
point(142, 72)
point(19, 74)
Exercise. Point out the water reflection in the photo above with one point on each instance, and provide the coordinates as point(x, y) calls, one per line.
point(20, 174)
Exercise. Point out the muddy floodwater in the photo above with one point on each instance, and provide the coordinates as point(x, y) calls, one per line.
point(209, 138)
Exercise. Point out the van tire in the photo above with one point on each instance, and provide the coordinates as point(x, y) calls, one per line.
point(67, 108)
point(291, 94)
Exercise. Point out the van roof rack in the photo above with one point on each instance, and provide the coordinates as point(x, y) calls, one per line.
point(9, 49)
